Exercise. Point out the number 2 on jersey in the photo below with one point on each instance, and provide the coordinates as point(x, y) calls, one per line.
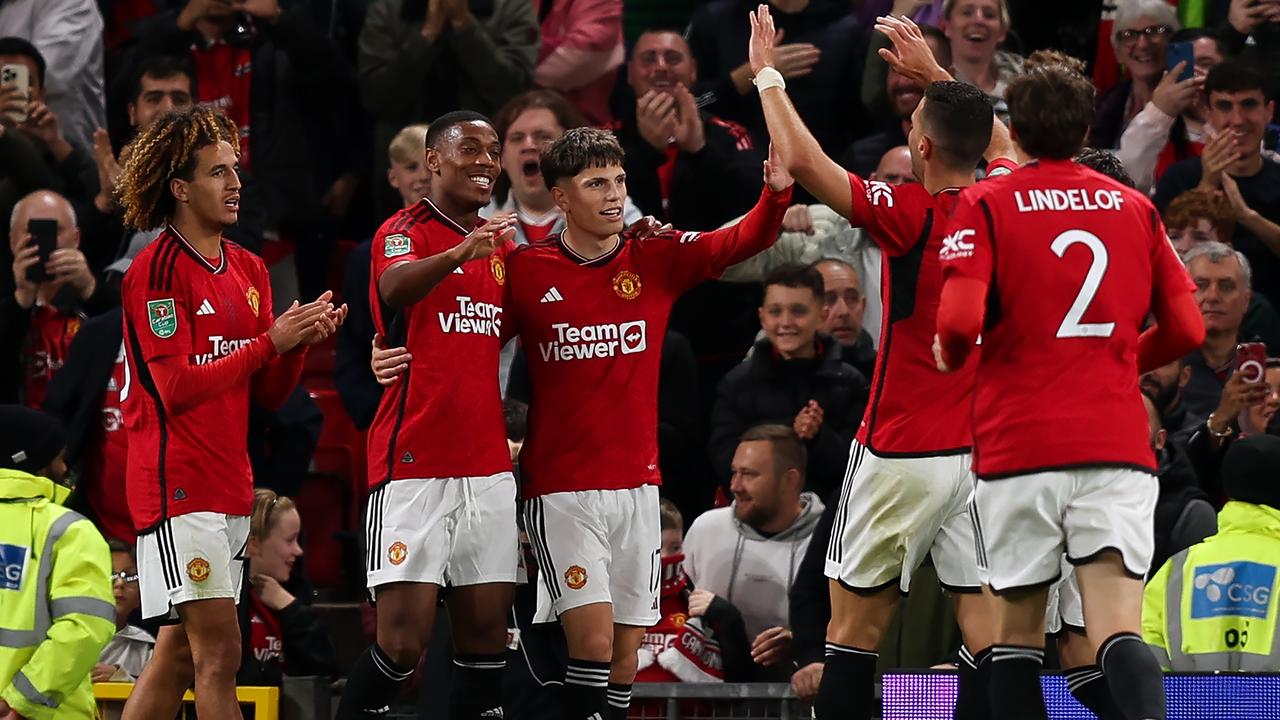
point(1071, 325)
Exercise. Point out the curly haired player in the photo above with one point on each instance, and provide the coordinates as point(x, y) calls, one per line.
point(200, 340)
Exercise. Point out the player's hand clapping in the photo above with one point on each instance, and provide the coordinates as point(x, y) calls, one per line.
point(299, 322)
point(911, 56)
point(775, 172)
point(809, 421)
point(1218, 155)
point(388, 364)
point(771, 646)
point(484, 240)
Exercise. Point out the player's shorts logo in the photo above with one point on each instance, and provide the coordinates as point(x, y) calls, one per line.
point(395, 245)
point(164, 321)
point(627, 285)
point(575, 577)
point(499, 269)
point(397, 553)
point(254, 299)
point(198, 569)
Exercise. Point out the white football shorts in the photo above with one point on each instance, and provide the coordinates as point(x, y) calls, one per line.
point(197, 556)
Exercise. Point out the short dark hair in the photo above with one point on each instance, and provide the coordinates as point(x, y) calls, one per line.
point(1190, 35)
point(788, 449)
point(578, 149)
point(516, 416)
point(1050, 110)
point(116, 545)
point(441, 125)
point(798, 276)
point(1105, 162)
point(1233, 76)
point(957, 117)
point(160, 67)
point(944, 42)
point(18, 46)
point(555, 103)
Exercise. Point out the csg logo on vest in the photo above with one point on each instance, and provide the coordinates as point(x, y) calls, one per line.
point(1238, 589)
point(13, 558)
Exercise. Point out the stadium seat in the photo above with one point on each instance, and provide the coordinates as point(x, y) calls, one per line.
point(319, 367)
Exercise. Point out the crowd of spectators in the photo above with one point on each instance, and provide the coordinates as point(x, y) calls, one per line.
point(765, 373)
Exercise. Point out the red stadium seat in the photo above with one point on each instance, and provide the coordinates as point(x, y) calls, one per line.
point(323, 519)
point(319, 367)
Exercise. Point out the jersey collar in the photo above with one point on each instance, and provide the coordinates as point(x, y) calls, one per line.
point(448, 221)
point(201, 259)
point(578, 259)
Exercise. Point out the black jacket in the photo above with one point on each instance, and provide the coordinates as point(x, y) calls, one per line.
point(810, 600)
point(708, 188)
point(307, 647)
point(75, 392)
point(767, 389)
point(1184, 513)
point(358, 389)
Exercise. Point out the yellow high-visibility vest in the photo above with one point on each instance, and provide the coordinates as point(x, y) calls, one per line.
point(1213, 606)
point(56, 606)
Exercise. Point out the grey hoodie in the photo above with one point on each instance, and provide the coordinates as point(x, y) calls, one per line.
point(751, 571)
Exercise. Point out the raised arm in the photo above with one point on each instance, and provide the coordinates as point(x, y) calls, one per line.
point(405, 283)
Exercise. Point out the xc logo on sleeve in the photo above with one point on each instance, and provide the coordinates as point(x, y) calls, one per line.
point(880, 193)
point(1238, 589)
point(955, 246)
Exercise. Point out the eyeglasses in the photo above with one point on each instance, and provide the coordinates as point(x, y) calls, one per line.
point(124, 577)
point(1154, 33)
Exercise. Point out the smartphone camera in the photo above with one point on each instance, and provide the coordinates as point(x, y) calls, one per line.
point(44, 234)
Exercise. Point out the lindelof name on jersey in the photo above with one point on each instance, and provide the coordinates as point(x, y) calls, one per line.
point(473, 318)
point(589, 342)
point(221, 347)
point(1079, 199)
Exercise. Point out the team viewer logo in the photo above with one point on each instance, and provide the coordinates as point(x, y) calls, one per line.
point(627, 285)
point(1238, 589)
point(575, 577)
point(499, 269)
point(164, 321)
point(397, 553)
point(254, 299)
point(395, 245)
point(198, 570)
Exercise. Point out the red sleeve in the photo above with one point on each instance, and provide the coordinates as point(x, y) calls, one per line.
point(392, 247)
point(1179, 327)
point(183, 386)
point(891, 215)
point(160, 312)
point(961, 308)
point(967, 248)
point(967, 266)
point(689, 258)
point(510, 326)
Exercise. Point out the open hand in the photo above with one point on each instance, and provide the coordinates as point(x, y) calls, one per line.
point(388, 364)
point(688, 130)
point(760, 47)
point(1174, 97)
point(1239, 207)
point(1246, 15)
point(775, 172)
point(911, 57)
point(108, 170)
point(656, 118)
point(484, 240)
point(1219, 154)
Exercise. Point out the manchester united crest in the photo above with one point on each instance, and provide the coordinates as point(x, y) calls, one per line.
point(397, 552)
point(198, 569)
point(575, 577)
point(254, 298)
point(499, 269)
point(627, 285)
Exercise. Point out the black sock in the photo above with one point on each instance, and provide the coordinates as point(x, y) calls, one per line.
point(1090, 688)
point(1014, 687)
point(619, 697)
point(477, 686)
point(585, 682)
point(1134, 676)
point(374, 681)
point(847, 690)
point(972, 696)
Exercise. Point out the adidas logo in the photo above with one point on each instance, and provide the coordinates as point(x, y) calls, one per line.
point(458, 271)
point(206, 308)
point(552, 295)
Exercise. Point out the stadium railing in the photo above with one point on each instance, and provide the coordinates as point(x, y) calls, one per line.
point(715, 701)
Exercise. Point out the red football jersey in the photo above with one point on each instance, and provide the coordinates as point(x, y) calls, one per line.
point(179, 303)
point(443, 417)
point(592, 331)
point(107, 459)
point(908, 223)
point(1073, 260)
point(45, 350)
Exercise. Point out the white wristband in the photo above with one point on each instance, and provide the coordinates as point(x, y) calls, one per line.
point(768, 78)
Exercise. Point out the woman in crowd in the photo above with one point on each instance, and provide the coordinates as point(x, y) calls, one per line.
point(976, 28)
point(279, 632)
point(1140, 37)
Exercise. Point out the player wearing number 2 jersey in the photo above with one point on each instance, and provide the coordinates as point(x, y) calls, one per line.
point(1058, 267)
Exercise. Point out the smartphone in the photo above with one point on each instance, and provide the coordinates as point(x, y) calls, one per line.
point(44, 233)
point(15, 74)
point(1181, 52)
point(1251, 359)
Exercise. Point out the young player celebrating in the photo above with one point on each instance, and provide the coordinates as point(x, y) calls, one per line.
point(910, 459)
point(591, 307)
point(1058, 266)
point(442, 506)
point(199, 342)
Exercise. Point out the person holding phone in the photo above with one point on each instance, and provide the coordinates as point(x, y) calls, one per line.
point(53, 292)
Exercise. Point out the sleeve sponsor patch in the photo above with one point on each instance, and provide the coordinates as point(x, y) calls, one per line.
point(393, 245)
point(162, 317)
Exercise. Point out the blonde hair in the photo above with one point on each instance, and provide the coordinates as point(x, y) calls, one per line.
point(267, 508)
point(409, 144)
point(164, 149)
point(671, 519)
